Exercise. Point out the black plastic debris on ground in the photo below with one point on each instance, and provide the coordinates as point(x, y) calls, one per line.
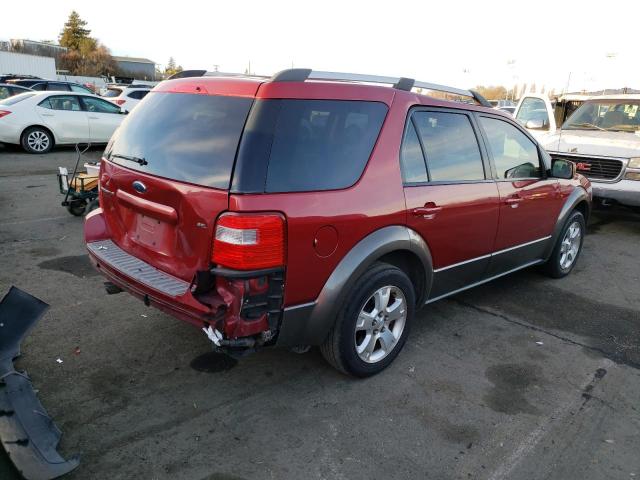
point(27, 433)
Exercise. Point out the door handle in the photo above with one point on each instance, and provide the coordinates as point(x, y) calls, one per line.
point(47, 114)
point(94, 118)
point(514, 200)
point(428, 211)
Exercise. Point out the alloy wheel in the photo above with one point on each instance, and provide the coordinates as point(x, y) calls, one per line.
point(570, 245)
point(380, 324)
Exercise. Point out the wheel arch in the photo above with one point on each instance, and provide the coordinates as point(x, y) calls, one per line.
point(578, 200)
point(44, 127)
point(309, 324)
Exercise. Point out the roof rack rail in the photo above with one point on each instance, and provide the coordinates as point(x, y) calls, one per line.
point(302, 74)
point(400, 83)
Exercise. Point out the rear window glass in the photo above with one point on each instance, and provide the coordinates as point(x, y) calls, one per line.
point(112, 92)
point(308, 145)
point(17, 98)
point(185, 137)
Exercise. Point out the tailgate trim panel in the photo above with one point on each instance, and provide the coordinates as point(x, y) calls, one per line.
point(109, 253)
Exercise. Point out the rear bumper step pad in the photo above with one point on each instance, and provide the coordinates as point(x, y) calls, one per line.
point(111, 254)
point(27, 433)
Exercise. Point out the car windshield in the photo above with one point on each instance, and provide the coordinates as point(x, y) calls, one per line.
point(609, 115)
point(17, 98)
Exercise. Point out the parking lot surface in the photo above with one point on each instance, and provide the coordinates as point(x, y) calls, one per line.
point(522, 378)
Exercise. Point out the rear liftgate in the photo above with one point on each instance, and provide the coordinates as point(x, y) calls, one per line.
point(28, 434)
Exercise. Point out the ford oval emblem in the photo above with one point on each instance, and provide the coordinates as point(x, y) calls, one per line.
point(139, 187)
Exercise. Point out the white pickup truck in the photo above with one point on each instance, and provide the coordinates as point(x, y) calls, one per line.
point(601, 136)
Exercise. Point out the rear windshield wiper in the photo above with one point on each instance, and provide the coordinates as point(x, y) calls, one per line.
point(138, 160)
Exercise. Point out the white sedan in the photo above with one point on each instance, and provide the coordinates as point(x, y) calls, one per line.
point(40, 120)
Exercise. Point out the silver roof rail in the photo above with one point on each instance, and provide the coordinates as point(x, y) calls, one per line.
point(302, 74)
point(400, 83)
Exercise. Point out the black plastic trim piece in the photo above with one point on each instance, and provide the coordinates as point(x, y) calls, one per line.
point(480, 99)
point(27, 433)
point(229, 273)
point(292, 75)
point(404, 83)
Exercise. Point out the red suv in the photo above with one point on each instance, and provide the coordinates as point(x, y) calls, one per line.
point(315, 208)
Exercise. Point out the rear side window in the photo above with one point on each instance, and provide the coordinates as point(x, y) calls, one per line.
point(4, 92)
point(63, 87)
point(412, 163)
point(112, 92)
point(138, 94)
point(185, 137)
point(450, 145)
point(308, 145)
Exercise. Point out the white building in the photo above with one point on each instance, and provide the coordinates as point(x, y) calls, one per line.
point(22, 64)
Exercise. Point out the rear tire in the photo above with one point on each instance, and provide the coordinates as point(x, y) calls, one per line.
point(567, 248)
point(373, 323)
point(37, 140)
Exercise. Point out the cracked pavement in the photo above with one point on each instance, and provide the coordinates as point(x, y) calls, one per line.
point(473, 394)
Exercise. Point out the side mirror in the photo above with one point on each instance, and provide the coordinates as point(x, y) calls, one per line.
point(534, 124)
point(563, 169)
point(123, 111)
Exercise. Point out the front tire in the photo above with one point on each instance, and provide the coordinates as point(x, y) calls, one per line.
point(37, 140)
point(568, 247)
point(373, 322)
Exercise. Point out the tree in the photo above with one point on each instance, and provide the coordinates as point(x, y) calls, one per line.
point(84, 55)
point(74, 34)
point(171, 68)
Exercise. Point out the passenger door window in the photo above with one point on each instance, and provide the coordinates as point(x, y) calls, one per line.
point(450, 146)
point(80, 89)
point(533, 110)
point(97, 105)
point(514, 154)
point(4, 93)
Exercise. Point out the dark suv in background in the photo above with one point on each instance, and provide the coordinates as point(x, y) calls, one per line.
point(41, 85)
point(316, 208)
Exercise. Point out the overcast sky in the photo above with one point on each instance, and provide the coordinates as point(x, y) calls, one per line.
point(458, 43)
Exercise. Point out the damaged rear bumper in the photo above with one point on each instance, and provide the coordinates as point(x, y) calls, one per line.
point(246, 307)
point(28, 434)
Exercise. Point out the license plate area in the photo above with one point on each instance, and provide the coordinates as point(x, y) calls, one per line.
point(152, 233)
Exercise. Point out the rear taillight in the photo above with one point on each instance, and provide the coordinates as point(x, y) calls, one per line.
point(4, 113)
point(249, 241)
point(120, 102)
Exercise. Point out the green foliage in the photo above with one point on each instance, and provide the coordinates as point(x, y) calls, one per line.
point(85, 55)
point(74, 35)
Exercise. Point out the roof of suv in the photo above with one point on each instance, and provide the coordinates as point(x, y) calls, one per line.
point(292, 84)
